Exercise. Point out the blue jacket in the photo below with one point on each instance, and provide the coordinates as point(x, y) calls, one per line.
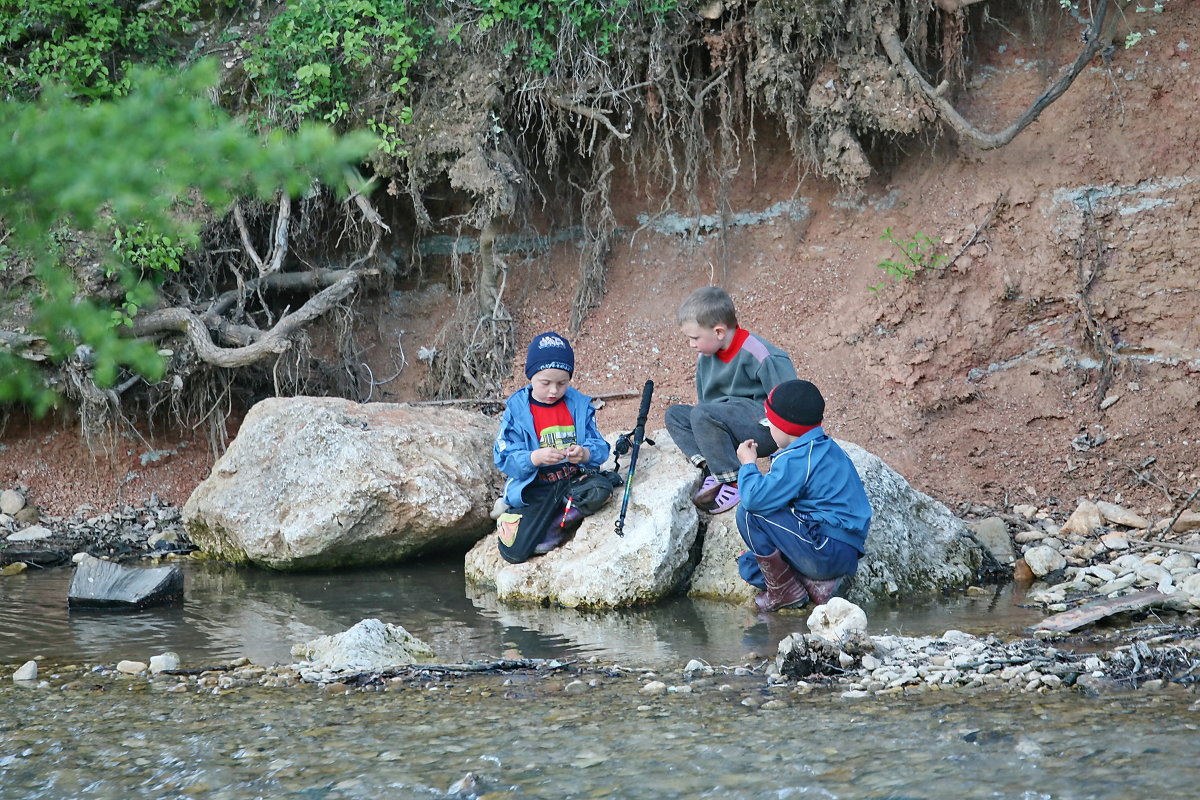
point(517, 439)
point(814, 476)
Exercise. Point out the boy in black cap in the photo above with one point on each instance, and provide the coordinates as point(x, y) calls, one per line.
point(548, 434)
point(805, 521)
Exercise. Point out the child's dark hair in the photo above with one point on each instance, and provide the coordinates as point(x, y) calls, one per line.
point(708, 307)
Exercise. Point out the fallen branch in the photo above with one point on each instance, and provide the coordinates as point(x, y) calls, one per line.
point(890, 39)
point(271, 342)
point(1085, 615)
point(1180, 546)
point(597, 114)
point(29, 347)
point(982, 226)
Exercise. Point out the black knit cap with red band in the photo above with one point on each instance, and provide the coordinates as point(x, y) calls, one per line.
point(795, 407)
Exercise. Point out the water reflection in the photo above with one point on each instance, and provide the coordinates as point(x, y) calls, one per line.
point(230, 612)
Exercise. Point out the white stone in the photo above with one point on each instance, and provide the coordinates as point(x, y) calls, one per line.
point(1025, 510)
point(31, 534)
point(1117, 515)
point(11, 501)
point(1043, 560)
point(163, 661)
point(1084, 520)
point(1179, 561)
point(654, 687)
point(131, 667)
point(1153, 573)
point(837, 619)
point(370, 644)
point(1115, 541)
point(26, 672)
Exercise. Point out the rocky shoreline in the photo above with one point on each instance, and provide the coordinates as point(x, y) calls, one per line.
point(1100, 554)
point(1156, 658)
point(32, 539)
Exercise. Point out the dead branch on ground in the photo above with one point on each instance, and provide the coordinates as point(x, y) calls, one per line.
point(988, 219)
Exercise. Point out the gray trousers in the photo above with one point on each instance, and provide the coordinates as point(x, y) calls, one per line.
point(709, 434)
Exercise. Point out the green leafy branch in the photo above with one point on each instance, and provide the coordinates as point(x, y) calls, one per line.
point(132, 160)
point(919, 253)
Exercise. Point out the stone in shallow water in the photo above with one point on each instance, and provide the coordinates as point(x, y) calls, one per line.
point(103, 584)
point(26, 672)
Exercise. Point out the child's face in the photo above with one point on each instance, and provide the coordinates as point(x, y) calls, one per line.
point(549, 384)
point(782, 439)
point(706, 341)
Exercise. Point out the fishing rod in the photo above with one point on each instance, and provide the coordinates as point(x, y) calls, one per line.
point(633, 441)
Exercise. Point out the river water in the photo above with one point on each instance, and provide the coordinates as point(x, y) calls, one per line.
point(525, 736)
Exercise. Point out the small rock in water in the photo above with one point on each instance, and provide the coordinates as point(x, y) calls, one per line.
point(163, 661)
point(26, 672)
point(131, 667)
point(466, 785)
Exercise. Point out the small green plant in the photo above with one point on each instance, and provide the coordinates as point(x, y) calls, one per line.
point(919, 254)
point(1134, 36)
point(150, 255)
point(535, 27)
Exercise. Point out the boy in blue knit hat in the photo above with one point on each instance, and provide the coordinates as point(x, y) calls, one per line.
point(548, 434)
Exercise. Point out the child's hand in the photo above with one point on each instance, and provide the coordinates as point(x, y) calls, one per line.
point(578, 454)
point(545, 456)
point(747, 451)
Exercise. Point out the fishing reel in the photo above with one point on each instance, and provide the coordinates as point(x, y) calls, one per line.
point(624, 443)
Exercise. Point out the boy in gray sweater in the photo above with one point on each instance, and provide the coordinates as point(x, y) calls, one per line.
point(735, 372)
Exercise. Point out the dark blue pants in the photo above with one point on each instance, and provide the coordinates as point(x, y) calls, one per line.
point(799, 540)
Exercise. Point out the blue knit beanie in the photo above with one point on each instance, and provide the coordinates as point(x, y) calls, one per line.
point(549, 351)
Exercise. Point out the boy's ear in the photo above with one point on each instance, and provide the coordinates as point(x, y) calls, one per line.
point(720, 329)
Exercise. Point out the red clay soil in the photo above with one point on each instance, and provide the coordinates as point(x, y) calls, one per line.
point(1030, 371)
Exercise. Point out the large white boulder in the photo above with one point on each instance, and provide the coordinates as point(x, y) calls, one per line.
point(318, 482)
point(598, 569)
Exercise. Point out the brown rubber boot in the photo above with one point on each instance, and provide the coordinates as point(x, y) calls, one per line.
point(821, 591)
point(783, 587)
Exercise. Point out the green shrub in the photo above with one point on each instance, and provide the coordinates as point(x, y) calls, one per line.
point(87, 46)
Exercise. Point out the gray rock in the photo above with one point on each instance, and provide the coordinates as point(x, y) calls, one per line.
point(103, 584)
point(370, 644)
point(26, 672)
point(992, 533)
point(316, 482)
point(31, 534)
point(915, 543)
point(597, 568)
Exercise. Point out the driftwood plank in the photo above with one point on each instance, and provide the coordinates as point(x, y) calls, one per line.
point(1086, 615)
